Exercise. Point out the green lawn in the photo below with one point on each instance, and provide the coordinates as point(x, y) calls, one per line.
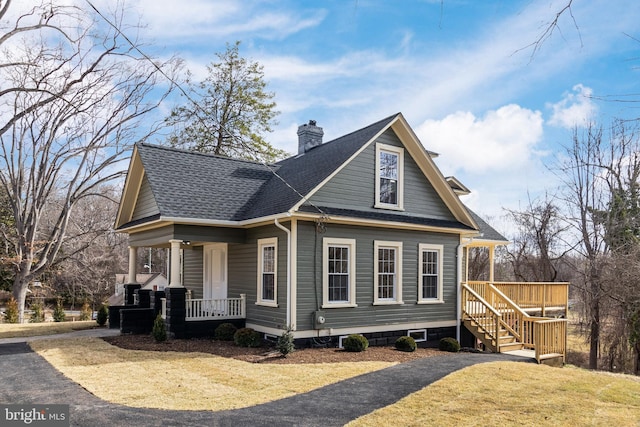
point(517, 394)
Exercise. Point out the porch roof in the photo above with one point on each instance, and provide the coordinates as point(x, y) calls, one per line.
point(488, 234)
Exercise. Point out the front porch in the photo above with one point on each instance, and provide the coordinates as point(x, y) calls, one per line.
point(211, 309)
point(498, 315)
point(199, 295)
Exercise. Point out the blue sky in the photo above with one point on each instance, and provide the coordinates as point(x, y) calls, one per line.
point(461, 71)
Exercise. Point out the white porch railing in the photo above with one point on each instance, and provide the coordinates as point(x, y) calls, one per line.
point(216, 309)
point(163, 308)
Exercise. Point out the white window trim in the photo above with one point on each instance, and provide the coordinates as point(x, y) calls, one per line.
point(413, 333)
point(262, 243)
point(377, 244)
point(399, 151)
point(351, 244)
point(440, 249)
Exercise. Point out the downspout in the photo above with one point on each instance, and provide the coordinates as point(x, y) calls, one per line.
point(459, 252)
point(286, 230)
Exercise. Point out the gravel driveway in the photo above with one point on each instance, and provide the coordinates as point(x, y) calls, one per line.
point(28, 378)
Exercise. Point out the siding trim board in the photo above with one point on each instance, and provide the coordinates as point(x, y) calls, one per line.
point(334, 332)
point(353, 217)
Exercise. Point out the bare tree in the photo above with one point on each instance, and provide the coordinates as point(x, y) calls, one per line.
point(93, 252)
point(74, 95)
point(601, 190)
point(538, 246)
point(585, 196)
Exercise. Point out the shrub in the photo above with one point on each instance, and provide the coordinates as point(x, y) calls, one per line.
point(355, 343)
point(407, 344)
point(37, 313)
point(103, 315)
point(285, 343)
point(11, 311)
point(58, 312)
point(225, 332)
point(159, 331)
point(85, 311)
point(449, 344)
point(246, 337)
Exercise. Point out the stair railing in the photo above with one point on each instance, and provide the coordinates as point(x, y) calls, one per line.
point(514, 318)
point(545, 335)
point(477, 309)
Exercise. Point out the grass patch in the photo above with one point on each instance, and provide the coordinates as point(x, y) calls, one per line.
point(186, 381)
point(513, 393)
point(15, 330)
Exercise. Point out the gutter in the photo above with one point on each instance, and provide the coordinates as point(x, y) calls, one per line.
point(286, 230)
point(459, 285)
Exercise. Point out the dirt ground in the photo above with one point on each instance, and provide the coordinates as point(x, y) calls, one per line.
point(266, 354)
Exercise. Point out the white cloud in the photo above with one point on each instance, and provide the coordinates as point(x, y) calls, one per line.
point(194, 19)
point(503, 139)
point(575, 109)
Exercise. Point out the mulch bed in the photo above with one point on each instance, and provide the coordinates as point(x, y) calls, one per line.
point(266, 354)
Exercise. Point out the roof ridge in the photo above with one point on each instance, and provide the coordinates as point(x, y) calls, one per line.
point(364, 127)
point(197, 153)
point(341, 137)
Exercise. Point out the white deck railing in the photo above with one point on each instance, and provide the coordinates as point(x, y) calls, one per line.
point(216, 309)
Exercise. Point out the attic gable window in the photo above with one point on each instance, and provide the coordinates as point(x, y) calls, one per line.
point(389, 177)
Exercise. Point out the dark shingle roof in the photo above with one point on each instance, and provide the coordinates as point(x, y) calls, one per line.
point(194, 185)
point(487, 232)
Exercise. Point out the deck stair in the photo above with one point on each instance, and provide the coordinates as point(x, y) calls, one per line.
point(485, 332)
point(501, 325)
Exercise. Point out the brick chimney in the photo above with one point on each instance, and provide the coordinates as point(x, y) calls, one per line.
point(309, 136)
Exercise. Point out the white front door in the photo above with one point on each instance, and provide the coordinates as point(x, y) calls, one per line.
point(214, 282)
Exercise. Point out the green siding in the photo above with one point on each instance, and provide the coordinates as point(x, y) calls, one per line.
point(146, 204)
point(243, 259)
point(192, 271)
point(309, 290)
point(354, 186)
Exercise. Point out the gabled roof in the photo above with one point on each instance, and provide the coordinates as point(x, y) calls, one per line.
point(190, 186)
point(306, 171)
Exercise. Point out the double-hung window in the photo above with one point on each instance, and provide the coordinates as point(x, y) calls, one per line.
point(389, 177)
point(430, 273)
point(387, 272)
point(339, 273)
point(267, 272)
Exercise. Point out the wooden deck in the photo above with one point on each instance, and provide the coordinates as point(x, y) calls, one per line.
point(498, 315)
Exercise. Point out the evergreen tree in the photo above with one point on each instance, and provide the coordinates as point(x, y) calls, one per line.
point(229, 112)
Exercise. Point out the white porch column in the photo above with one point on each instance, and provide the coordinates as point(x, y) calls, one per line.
point(492, 252)
point(132, 264)
point(174, 255)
